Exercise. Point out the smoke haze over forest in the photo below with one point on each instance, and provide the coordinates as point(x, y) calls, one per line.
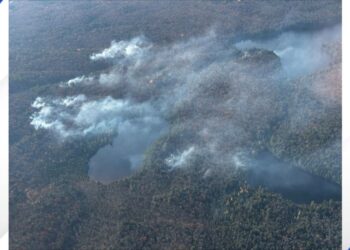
point(175, 124)
point(156, 85)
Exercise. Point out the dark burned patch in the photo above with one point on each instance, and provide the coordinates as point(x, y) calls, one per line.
point(261, 59)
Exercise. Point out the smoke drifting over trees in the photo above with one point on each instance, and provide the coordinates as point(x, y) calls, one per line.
point(229, 98)
point(175, 124)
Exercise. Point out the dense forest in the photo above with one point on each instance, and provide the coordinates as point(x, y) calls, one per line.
point(292, 123)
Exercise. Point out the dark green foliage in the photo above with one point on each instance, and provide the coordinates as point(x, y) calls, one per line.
point(311, 133)
point(63, 34)
point(54, 205)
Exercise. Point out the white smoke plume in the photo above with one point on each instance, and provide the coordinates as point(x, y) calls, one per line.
point(86, 80)
point(180, 160)
point(74, 116)
point(205, 81)
point(300, 52)
point(227, 98)
point(123, 49)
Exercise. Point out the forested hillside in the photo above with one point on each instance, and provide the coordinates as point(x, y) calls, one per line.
point(175, 125)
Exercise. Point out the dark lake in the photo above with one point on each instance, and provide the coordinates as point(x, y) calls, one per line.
point(291, 182)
